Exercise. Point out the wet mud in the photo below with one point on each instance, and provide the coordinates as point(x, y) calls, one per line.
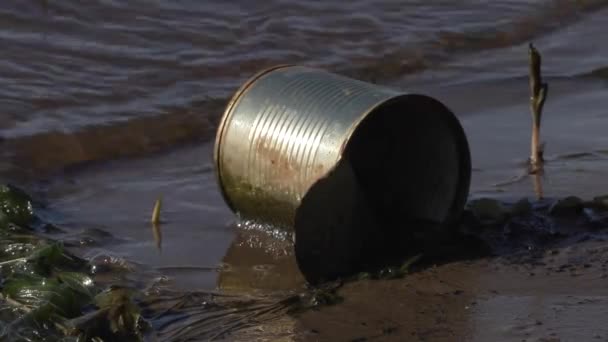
point(535, 272)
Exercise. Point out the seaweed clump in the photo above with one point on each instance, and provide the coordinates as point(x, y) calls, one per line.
point(47, 293)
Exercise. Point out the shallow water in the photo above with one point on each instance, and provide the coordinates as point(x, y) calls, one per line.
point(68, 65)
point(107, 105)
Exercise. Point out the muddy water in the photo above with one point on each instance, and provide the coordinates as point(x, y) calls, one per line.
point(106, 105)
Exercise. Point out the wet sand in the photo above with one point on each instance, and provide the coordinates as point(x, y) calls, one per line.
point(561, 296)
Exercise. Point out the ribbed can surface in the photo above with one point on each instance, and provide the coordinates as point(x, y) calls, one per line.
point(282, 131)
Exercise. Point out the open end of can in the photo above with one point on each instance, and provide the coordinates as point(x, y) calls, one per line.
point(406, 165)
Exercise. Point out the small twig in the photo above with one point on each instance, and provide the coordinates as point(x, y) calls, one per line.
point(539, 91)
point(13, 261)
point(156, 211)
point(156, 230)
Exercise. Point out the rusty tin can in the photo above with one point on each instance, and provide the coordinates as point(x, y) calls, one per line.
point(290, 126)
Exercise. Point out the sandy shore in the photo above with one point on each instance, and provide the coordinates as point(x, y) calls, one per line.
point(560, 296)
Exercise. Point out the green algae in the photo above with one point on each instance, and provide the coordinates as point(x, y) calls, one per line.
point(116, 317)
point(46, 289)
point(50, 294)
point(15, 207)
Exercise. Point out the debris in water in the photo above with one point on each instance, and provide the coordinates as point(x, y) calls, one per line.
point(156, 231)
point(156, 211)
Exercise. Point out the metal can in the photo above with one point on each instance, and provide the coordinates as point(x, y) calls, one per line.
point(289, 127)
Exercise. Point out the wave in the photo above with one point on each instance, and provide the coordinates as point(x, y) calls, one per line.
point(54, 151)
point(446, 44)
point(86, 82)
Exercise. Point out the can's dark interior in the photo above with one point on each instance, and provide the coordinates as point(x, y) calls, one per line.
point(410, 160)
point(410, 164)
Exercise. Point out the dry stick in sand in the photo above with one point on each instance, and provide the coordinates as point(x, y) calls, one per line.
point(538, 91)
